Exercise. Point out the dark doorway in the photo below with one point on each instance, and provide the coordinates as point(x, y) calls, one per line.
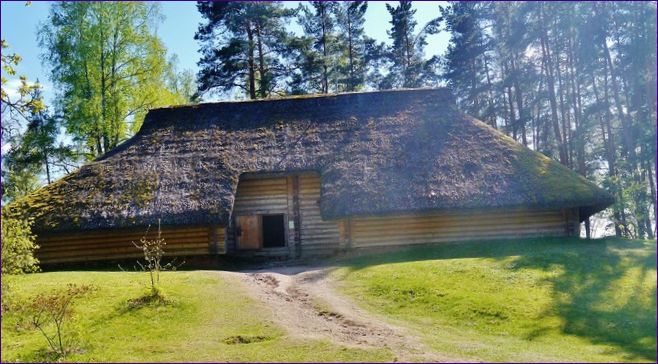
point(274, 233)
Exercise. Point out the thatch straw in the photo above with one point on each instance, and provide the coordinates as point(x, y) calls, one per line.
point(377, 153)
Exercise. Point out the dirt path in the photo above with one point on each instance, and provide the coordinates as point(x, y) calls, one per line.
point(304, 302)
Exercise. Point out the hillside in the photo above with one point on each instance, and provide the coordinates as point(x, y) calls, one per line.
point(527, 300)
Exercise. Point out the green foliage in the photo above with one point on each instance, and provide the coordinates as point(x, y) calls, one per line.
point(320, 59)
point(408, 67)
point(49, 312)
point(574, 81)
point(18, 246)
point(525, 300)
point(464, 62)
point(331, 55)
point(27, 99)
point(33, 153)
point(19, 181)
point(17, 106)
point(352, 68)
point(110, 66)
point(243, 45)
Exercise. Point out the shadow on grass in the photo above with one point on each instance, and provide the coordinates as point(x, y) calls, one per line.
point(584, 291)
point(587, 294)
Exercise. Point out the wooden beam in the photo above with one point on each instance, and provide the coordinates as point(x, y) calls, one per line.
point(296, 216)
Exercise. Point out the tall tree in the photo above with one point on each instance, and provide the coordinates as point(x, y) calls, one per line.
point(575, 81)
point(350, 19)
point(17, 103)
point(34, 153)
point(109, 66)
point(409, 66)
point(243, 45)
point(467, 60)
point(319, 24)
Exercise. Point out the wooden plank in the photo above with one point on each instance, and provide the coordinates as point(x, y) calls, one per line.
point(317, 234)
point(444, 227)
point(296, 215)
point(249, 232)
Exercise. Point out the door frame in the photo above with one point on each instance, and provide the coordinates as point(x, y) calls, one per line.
point(237, 229)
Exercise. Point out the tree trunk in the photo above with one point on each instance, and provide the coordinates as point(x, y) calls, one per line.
point(264, 82)
point(519, 100)
point(652, 191)
point(548, 63)
point(576, 101)
point(490, 101)
point(350, 84)
point(250, 62)
point(103, 88)
point(325, 67)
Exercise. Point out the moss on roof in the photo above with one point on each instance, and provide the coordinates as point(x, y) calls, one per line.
point(376, 152)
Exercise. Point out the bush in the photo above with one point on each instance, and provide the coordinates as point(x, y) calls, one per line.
point(17, 253)
point(153, 250)
point(18, 246)
point(48, 312)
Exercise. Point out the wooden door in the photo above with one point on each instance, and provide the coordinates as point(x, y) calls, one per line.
point(249, 232)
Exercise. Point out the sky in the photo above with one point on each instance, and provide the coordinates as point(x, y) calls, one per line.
point(181, 19)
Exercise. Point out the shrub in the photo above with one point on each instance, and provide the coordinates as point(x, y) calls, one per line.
point(153, 250)
point(48, 312)
point(17, 253)
point(17, 246)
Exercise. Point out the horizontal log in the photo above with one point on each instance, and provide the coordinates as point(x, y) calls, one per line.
point(73, 239)
point(265, 182)
point(84, 235)
point(122, 249)
point(92, 245)
point(112, 257)
point(451, 230)
point(451, 239)
point(469, 215)
point(392, 228)
point(488, 220)
point(403, 240)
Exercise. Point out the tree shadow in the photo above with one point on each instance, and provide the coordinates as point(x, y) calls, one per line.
point(601, 294)
point(599, 288)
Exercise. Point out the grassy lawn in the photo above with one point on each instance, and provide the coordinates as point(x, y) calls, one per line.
point(532, 300)
point(206, 311)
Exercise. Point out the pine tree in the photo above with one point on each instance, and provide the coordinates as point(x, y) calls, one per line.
point(409, 67)
point(350, 20)
point(575, 81)
point(243, 45)
point(468, 60)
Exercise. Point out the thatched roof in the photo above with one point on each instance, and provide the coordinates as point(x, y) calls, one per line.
point(377, 153)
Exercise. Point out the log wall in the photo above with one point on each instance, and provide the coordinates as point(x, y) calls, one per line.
point(438, 228)
point(116, 245)
point(298, 198)
point(262, 196)
point(319, 237)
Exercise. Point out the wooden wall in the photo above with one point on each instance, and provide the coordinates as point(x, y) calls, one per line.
point(298, 198)
point(319, 237)
point(115, 245)
point(438, 228)
point(307, 234)
point(262, 196)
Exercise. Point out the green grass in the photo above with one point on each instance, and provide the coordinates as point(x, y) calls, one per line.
point(527, 300)
point(208, 319)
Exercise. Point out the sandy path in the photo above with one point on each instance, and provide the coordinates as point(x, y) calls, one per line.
point(305, 303)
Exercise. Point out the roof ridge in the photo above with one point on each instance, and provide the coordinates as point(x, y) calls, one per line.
point(444, 90)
